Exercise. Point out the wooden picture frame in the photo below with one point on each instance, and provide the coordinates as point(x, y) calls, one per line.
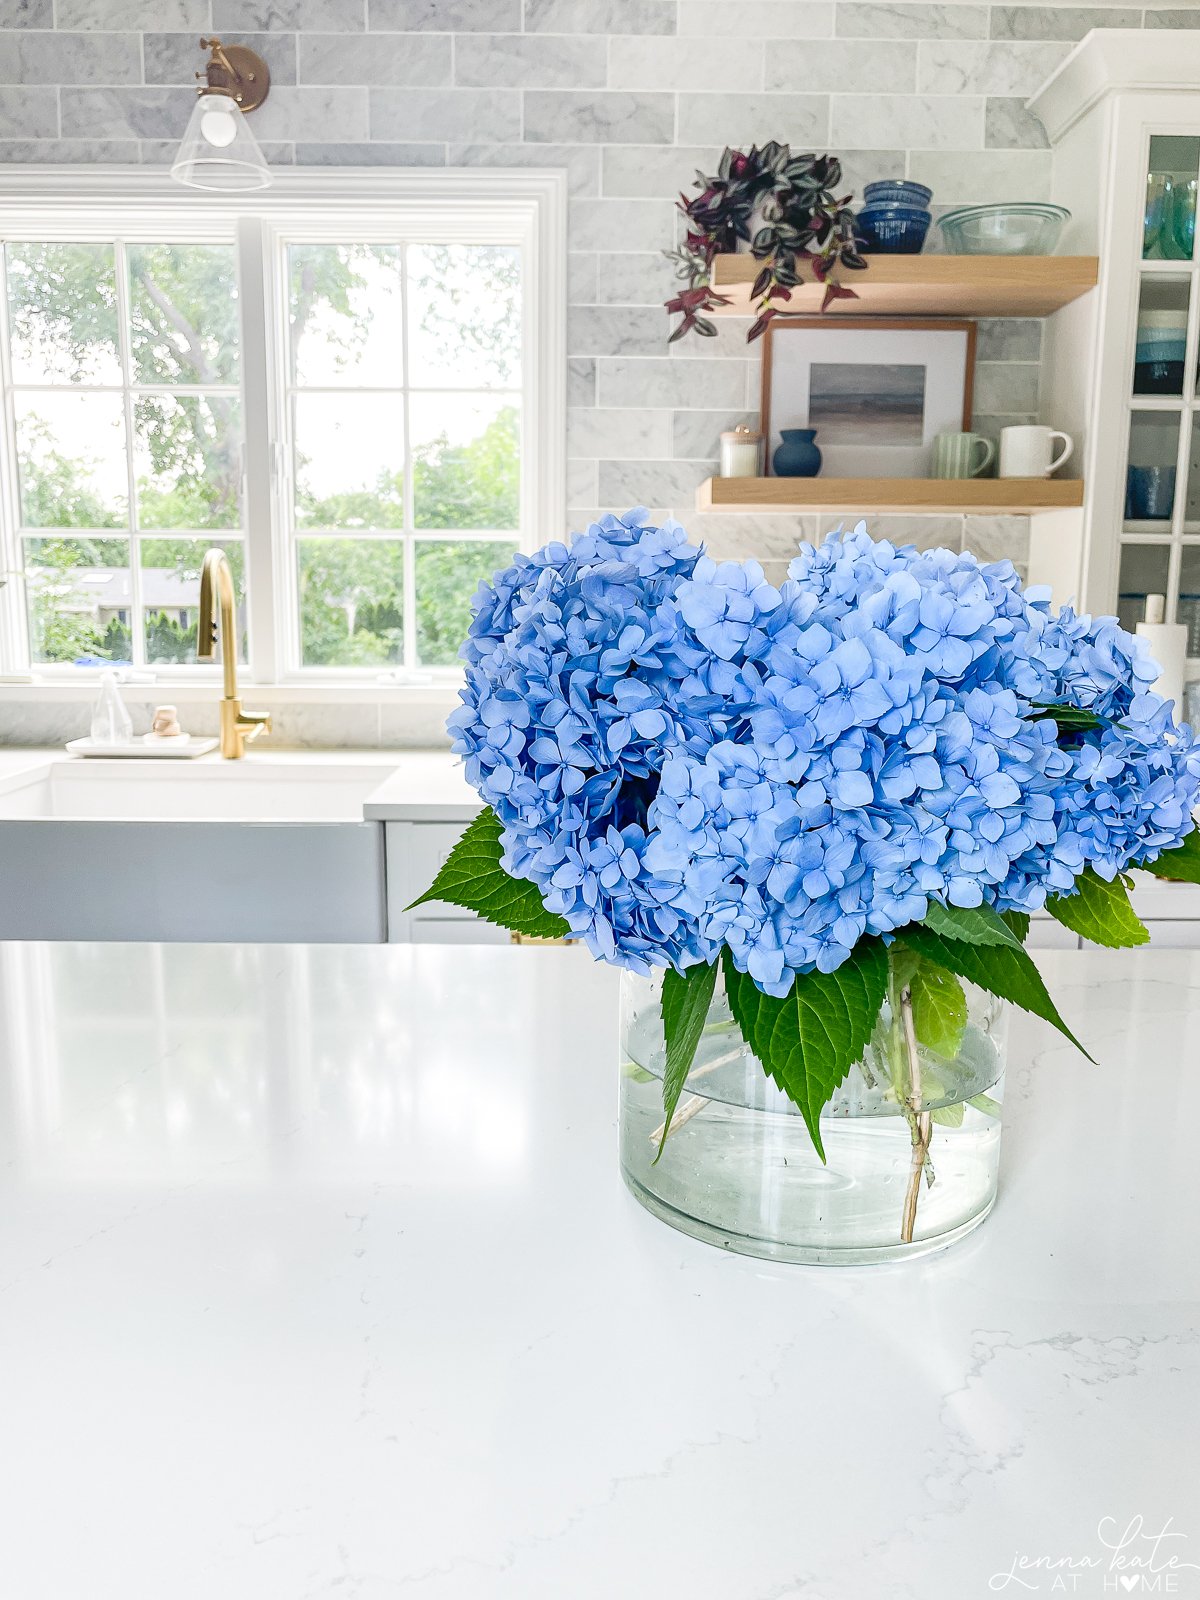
point(857, 443)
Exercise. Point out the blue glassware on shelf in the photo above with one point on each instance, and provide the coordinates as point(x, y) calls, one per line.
point(1158, 210)
point(893, 229)
point(1159, 354)
point(1150, 494)
point(798, 455)
point(1183, 218)
point(897, 192)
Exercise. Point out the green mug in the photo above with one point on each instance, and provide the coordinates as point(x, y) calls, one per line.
point(954, 455)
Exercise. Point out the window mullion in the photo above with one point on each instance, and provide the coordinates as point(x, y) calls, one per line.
point(15, 651)
point(259, 315)
point(410, 561)
point(137, 626)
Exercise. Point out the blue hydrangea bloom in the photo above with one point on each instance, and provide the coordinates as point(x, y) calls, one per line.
point(685, 757)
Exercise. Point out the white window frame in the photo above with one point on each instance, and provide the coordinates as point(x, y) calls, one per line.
point(341, 205)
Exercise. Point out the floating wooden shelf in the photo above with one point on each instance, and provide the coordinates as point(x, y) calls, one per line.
point(947, 496)
point(940, 286)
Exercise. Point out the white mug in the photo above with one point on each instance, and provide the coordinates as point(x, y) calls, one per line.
point(1027, 452)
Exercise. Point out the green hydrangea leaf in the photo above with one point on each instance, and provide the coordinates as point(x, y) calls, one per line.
point(939, 1009)
point(809, 1040)
point(1182, 862)
point(1001, 971)
point(686, 998)
point(1018, 921)
point(473, 878)
point(1100, 912)
point(970, 924)
point(1070, 719)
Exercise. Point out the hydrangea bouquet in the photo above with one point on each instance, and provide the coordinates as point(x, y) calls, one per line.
point(867, 776)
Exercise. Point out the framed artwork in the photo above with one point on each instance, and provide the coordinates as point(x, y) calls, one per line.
point(877, 390)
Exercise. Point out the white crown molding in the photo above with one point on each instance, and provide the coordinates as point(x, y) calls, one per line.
point(1115, 60)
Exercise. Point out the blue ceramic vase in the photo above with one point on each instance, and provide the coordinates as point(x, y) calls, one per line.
point(797, 456)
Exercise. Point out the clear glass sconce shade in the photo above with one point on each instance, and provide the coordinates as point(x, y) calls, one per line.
point(218, 150)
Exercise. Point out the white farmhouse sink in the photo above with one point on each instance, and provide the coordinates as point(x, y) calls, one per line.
point(194, 791)
point(273, 849)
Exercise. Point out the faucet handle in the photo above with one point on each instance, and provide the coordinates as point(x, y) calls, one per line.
point(251, 723)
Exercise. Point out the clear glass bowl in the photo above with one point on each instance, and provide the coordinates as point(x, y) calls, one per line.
point(1029, 229)
point(739, 1170)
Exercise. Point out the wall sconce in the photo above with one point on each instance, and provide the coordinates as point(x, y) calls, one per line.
point(218, 149)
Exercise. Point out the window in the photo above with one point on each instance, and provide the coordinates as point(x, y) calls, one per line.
point(126, 420)
point(405, 410)
point(356, 401)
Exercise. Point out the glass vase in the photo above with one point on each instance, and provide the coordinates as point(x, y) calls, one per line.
point(908, 1170)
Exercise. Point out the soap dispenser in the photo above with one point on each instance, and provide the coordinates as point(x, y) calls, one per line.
point(111, 723)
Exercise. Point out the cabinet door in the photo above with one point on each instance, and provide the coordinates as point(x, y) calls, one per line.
point(1160, 526)
point(416, 852)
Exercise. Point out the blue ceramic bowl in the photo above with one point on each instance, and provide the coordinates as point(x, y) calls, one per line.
point(892, 230)
point(897, 192)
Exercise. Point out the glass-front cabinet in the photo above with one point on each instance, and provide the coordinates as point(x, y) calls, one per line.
point(1160, 522)
point(1123, 372)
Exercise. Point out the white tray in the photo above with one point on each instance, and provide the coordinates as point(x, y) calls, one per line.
point(139, 750)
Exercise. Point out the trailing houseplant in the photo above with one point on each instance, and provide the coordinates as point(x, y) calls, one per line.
point(837, 800)
point(786, 209)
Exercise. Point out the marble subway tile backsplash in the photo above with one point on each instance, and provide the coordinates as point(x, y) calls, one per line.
point(424, 115)
point(829, 65)
point(1007, 125)
point(28, 114)
point(120, 113)
point(997, 67)
point(878, 19)
point(799, 119)
point(424, 60)
point(571, 116)
point(325, 16)
point(1061, 22)
point(531, 61)
point(54, 58)
point(171, 57)
point(915, 123)
point(629, 97)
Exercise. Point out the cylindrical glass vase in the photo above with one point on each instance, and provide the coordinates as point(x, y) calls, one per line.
point(907, 1170)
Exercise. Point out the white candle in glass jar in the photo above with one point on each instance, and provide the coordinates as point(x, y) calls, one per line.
point(740, 453)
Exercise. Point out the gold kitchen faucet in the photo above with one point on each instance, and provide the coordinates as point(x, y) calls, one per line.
point(237, 726)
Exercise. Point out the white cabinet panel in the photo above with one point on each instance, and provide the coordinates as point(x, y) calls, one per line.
point(456, 930)
point(416, 852)
point(1047, 934)
point(1174, 935)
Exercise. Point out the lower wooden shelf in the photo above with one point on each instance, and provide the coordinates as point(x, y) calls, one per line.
point(944, 496)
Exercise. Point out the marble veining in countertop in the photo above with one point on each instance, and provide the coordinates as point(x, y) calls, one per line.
point(317, 1277)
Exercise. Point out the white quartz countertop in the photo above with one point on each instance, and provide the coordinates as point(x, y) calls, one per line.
point(427, 786)
point(317, 1277)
